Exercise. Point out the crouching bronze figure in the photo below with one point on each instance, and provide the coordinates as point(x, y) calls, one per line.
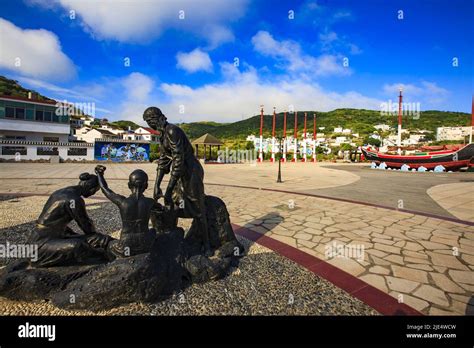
point(57, 243)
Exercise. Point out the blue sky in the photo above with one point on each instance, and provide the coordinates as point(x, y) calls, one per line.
point(219, 60)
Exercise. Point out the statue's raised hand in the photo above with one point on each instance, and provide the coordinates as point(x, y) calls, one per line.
point(99, 169)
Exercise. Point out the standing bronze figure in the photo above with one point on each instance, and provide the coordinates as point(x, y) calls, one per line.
point(185, 190)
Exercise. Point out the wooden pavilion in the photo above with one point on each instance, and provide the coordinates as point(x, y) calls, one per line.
point(207, 140)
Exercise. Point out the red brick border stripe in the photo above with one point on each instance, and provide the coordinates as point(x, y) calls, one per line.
point(375, 298)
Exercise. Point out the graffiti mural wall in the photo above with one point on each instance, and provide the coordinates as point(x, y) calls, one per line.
point(121, 152)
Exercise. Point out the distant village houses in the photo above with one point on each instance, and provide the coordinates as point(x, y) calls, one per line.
point(453, 133)
point(33, 129)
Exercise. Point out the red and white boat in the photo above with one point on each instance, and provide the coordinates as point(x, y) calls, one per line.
point(450, 159)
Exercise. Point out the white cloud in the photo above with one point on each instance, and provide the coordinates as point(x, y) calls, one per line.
point(242, 92)
point(238, 95)
point(38, 52)
point(217, 35)
point(137, 86)
point(194, 61)
point(140, 21)
point(137, 94)
point(291, 57)
point(425, 92)
point(331, 42)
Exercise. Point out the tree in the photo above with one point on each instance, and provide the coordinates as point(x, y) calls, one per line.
point(154, 152)
point(346, 147)
point(372, 141)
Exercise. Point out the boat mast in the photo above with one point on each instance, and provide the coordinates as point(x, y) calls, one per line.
point(399, 138)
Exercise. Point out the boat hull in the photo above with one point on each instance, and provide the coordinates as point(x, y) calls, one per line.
point(451, 161)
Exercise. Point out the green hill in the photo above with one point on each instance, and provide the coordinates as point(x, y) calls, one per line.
point(359, 120)
point(14, 89)
point(125, 124)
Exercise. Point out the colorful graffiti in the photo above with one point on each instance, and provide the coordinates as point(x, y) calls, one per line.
point(121, 152)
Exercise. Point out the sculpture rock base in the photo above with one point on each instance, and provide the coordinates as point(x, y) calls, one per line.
point(174, 263)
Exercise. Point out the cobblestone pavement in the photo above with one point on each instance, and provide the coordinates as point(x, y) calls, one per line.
point(425, 262)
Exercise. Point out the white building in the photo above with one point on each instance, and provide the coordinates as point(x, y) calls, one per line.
point(112, 129)
point(341, 140)
point(143, 133)
point(89, 135)
point(452, 133)
point(88, 120)
point(31, 130)
point(382, 127)
point(251, 138)
point(76, 123)
point(417, 137)
point(375, 136)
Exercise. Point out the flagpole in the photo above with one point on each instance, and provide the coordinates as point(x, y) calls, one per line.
point(284, 137)
point(273, 135)
point(295, 157)
point(260, 150)
point(304, 137)
point(315, 158)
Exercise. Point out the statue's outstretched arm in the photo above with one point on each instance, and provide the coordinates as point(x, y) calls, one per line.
point(111, 195)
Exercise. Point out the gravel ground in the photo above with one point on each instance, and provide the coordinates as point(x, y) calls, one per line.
point(264, 284)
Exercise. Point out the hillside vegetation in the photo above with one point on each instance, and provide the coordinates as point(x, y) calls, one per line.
point(358, 120)
point(14, 89)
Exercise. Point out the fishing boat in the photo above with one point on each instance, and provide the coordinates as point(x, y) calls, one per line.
point(450, 159)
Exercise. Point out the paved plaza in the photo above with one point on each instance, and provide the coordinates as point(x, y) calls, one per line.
point(322, 217)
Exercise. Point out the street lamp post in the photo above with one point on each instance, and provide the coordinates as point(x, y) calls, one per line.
point(279, 164)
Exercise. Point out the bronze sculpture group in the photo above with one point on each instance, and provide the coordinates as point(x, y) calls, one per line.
point(144, 264)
